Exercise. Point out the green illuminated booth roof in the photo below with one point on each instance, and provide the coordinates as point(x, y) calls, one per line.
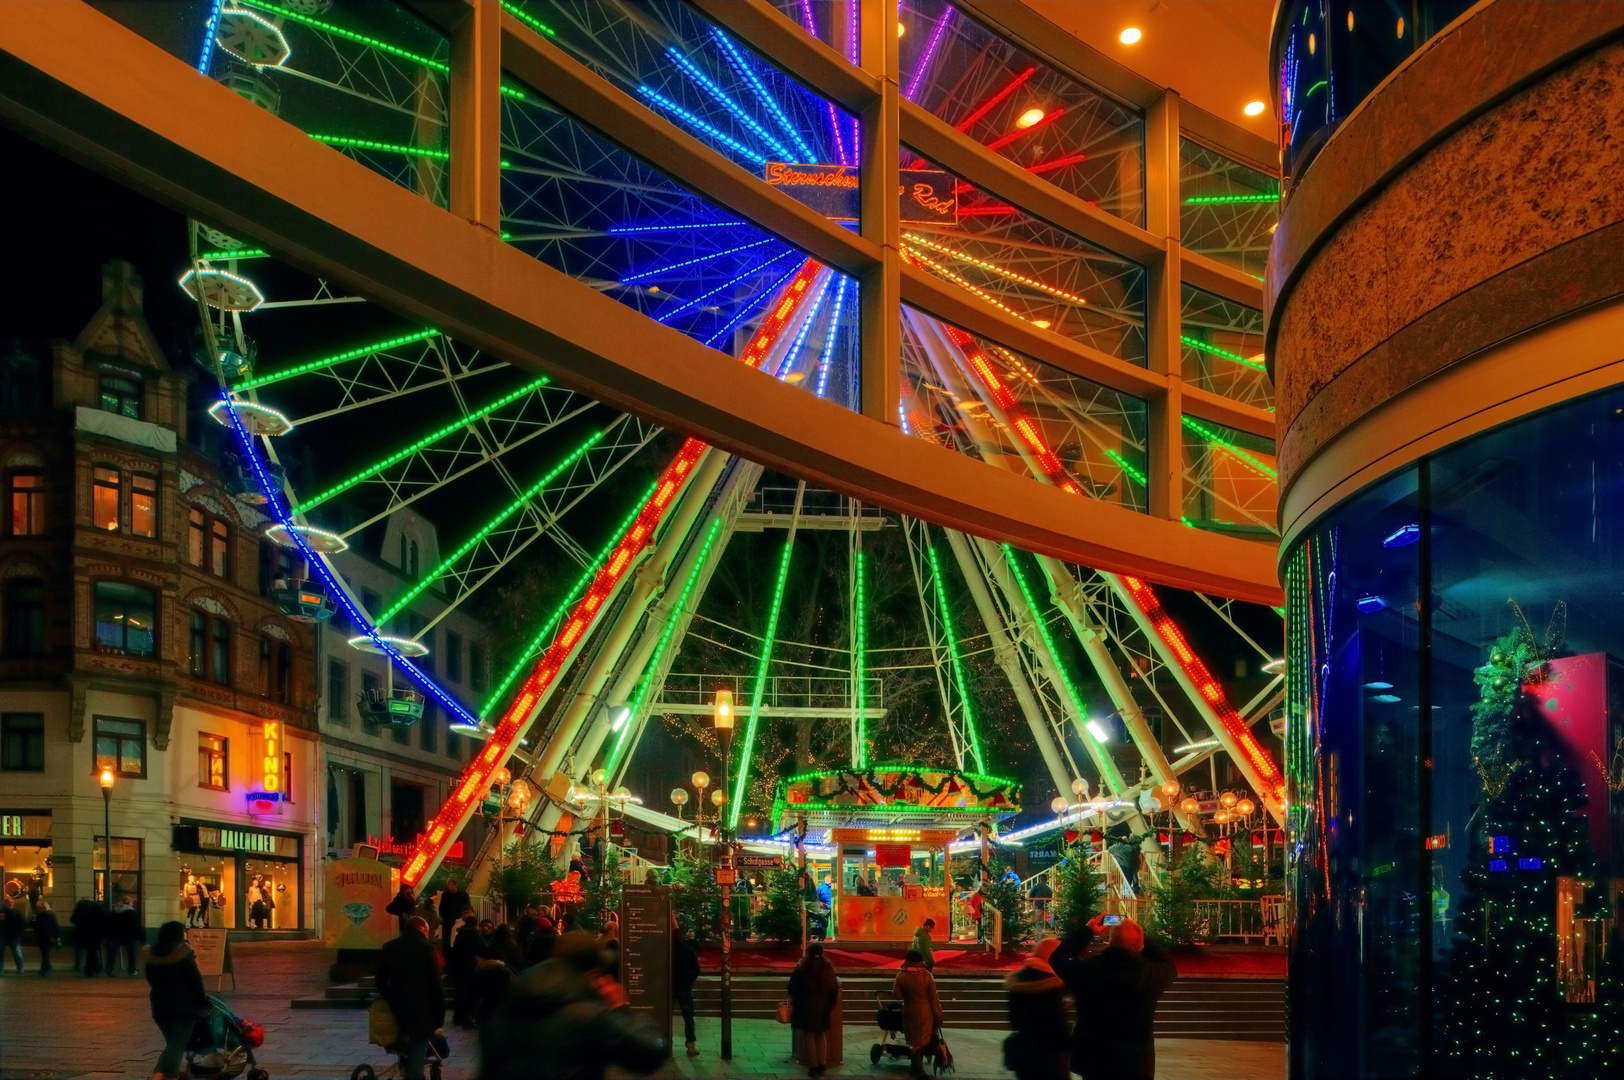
point(922, 796)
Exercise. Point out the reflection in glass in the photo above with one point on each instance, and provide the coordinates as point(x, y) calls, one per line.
point(981, 399)
point(1019, 263)
point(1230, 481)
point(1221, 348)
point(1226, 210)
point(1021, 109)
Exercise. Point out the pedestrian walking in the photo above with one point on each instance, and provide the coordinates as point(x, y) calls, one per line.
point(541, 942)
point(684, 973)
point(177, 995)
point(47, 933)
point(915, 987)
point(453, 902)
point(813, 990)
point(491, 981)
point(921, 944)
point(123, 936)
point(409, 980)
point(465, 950)
point(12, 927)
point(89, 926)
point(1040, 1040)
point(403, 906)
point(567, 1020)
point(1115, 992)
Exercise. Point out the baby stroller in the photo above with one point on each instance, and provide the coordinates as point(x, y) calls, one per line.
point(893, 1042)
point(381, 1031)
point(222, 1045)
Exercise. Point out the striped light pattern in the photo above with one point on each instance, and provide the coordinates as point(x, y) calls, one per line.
point(1017, 418)
point(965, 709)
point(1217, 440)
point(859, 656)
point(326, 361)
point(999, 270)
point(374, 144)
point(761, 683)
point(1197, 343)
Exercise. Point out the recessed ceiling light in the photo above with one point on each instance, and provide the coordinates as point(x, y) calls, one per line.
point(1029, 117)
point(1255, 108)
point(1130, 36)
point(901, 29)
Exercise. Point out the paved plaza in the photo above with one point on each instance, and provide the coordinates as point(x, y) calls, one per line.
point(69, 1026)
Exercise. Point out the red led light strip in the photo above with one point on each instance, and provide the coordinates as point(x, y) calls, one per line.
point(476, 778)
point(1000, 143)
point(1057, 163)
point(1142, 594)
point(991, 102)
point(1208, 686)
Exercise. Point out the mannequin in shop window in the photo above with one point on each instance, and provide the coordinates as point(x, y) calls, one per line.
point(189, 893)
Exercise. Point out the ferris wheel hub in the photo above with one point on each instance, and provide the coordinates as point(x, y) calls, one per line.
point(256, 419)
point(222, 289)
point(318, 540)
point(403, 646)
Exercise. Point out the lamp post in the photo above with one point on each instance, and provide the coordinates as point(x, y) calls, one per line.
point(107, 841)
point(724, 731)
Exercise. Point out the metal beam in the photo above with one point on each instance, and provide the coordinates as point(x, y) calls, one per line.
point(797, 52)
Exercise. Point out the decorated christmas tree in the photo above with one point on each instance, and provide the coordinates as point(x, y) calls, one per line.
point(1077, 894)
point(780, 916)
point(1503, 1010)
point(1002, 892)
point(696, 897)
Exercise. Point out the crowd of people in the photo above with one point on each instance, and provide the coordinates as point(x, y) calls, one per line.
point(101, 937)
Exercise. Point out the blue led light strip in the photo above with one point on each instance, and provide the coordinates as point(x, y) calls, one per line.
point(674, 312)
point(749, 74)
point(661, 271)
point(693, 72)
point(829, 342)
point(209, 29)
point(693, 121)
point(788, 364)
point(273, 502)
point(930, 53)
point(745, 309)
point(632, 230)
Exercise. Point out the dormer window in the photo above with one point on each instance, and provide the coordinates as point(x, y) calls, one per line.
point(122, 395)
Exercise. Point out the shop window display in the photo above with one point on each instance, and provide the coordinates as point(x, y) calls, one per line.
point(1455, 750)
point(124, 872)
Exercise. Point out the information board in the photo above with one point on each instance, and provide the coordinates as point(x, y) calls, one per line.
point(209, 946)
point(645, 951)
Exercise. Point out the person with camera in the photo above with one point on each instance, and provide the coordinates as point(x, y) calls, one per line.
point(1115, 991)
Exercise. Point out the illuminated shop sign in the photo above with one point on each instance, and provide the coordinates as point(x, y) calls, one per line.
point(252, 841)
point(928, 196)
point(14, 824)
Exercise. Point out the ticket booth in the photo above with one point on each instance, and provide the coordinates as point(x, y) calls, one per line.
point(889, 829)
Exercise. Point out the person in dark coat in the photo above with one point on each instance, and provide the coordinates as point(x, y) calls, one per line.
point(541, 942)
point(409, 980)
point(813, 990)
point(47, 934)
point(1039, 1043)
point(89, 926)
point(915, 987)
point(177, 995)
point(465, 950)
point(1115, 992)
point(453, 902)
point(403, 906)
point(12, 928)
point(491, 981)
point(566, 1020)
point(123, 936)
point(684, 973)
point(507, 947)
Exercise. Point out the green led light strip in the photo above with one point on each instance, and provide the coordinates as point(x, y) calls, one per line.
point(816, 774)
point(1107, 766)
point(416, 446)
point(859, 688)
point(511, 509)
point(1209, 199)
point(953, 652)
point(245, 253)
point(528, 19)
point(1217, 440)
point(1133, 474)
point(514, 92)
point(329, 361)
point(761, 684)
point(673, 616)
point(349, 35)
point(372, 144)
point(541, 635)
point(1196, 343)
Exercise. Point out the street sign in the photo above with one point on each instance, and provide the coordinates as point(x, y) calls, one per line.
point(645, 952)
point(726, 875)
point(758, 862)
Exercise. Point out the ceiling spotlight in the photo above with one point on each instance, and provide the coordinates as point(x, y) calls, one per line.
point(1255, 108)
point(1130, 36)
point(901, 29)
point(1029, 117)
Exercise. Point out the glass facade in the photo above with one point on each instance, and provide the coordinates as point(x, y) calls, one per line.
point(1455, 756)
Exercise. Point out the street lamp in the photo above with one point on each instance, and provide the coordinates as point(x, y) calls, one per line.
point(724, 730)
point(107, 840)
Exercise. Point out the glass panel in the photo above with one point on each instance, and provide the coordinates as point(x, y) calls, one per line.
point(126, 869)
point(677, 63)
point(207, 888)
point(584, 206)
point(370, 80)
point(1222, 348)
point(1006, 409)
point(1050, 125)
point(221, 662)
point(144, 505)
point(124, 618)
point(1230, 482)
point(1226, 210)
point(1022, 264)
point(198, 643)
point(836, 23)
point(271, 895)
point(27, 504)
point(104, 499)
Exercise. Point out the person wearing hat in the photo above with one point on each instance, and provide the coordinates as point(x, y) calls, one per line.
point(1115, 992)
point(1037, 1048)
point(565, 1019)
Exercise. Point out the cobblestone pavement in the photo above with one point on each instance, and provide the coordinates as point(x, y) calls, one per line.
point(70, 1026)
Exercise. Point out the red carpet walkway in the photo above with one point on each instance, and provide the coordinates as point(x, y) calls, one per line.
point(1205, 962)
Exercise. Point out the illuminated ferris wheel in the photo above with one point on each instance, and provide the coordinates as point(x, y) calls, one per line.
point(402, 415)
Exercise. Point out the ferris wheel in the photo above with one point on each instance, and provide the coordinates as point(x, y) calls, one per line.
point(403, 416)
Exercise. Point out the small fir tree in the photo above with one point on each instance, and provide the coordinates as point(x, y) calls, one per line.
point(1175, 918)
point(1002, 892)
point(601, 890)
point(1077, 893)
point(779, 918)
point(696, 897)
point(1504, 1014)
point(525, 875)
